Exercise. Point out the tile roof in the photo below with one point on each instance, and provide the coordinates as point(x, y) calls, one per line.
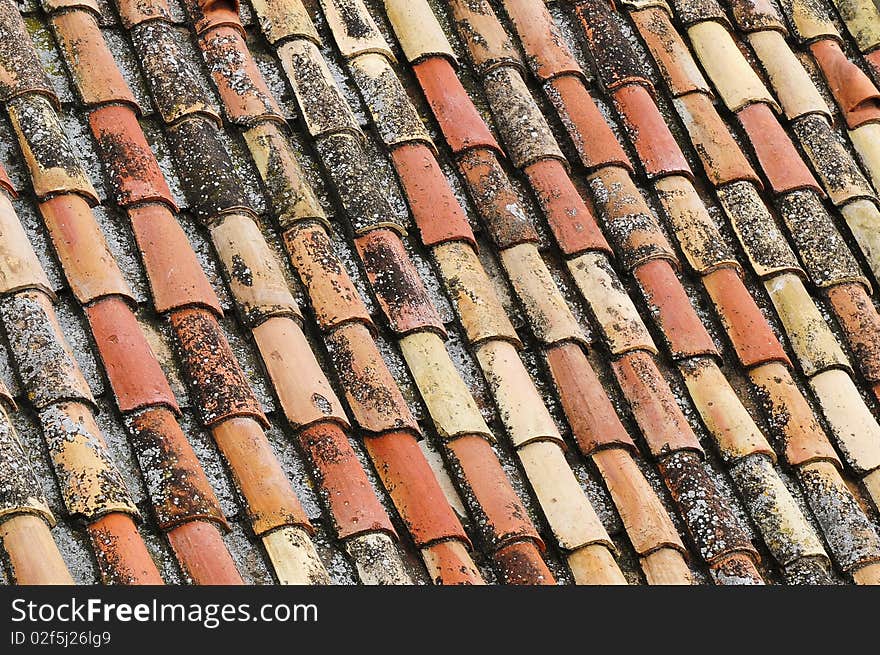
point(458, 292)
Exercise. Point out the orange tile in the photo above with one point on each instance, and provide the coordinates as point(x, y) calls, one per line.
point(654, 143)
point(133, 370)
point(332, 294)
point(344, 487)
point(499, 206)
point(176, 277)
point(89, 266)
point(94, 71)
point(854, 92)
point(397, 284)
point(790, 416)
point(593, 420)
point(751, 335)
point(673, 312)
point(722, 158)
point(246, 98)
point(417, 495)
point(132, 167)
point(777, 155)
point(177, 484)
point(873, 61)
point(572, 222)
point(860, 322)
point(448, 563)
point(271, 501)
point(437, 212)
point(462, 125)
point(123, 558)
point(653, 405)
point(203, 555)
point(540, 36)
point(219, 386)
point(503, 519)
point(594, 141)
point(670, 53)
point(31, 553)
point(374, 398)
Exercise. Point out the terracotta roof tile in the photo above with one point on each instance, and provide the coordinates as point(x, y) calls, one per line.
point(284, 19)
point(176, 279)
point(423, 37)
point(210, 14)
point(578, 111)
point(496, 199)
point(132, 368)
point(691, 12)
point(746, 327)
point(246, 99)
point(861, 19)
point(616, 63)
point(397, 285)
point(656, 147)
point(757, 16)
point(791, 83)
point(859, 321)
point(354, 29)
point(854, 92)
point(32, 554)
point(20, 70)
point(489, 45)
point(809, 20)
point(547, 54)
point(723, 161)
point(697, 233)
point(252, 270)
point(435, 208)
point(122, 557)
point(671, 309)
point(678, 68)
point(777, 156)
point(135, 12)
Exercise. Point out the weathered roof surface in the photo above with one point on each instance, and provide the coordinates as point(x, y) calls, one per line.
point(353, 291)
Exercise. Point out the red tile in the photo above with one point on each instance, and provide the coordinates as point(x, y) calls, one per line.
point(673, 312)
point(462, 125)
point(498, 204)
point(748, 330)
point(415, 491)
point(873, 60)
point(654, 143)
point(207, 14)
point(593, 420)
point(653, 405)
point(504, 519)
point(593, 139)
point(132, 167)
point(777, 155)
point(397, 284)
point(572, 222)
point(354, 506)
point(133, 370)
point(176, 277)
point(854, 92)
point(218, 385)
point(200, 549)
point(123, 557)
point(483, 35)
point(436, 210)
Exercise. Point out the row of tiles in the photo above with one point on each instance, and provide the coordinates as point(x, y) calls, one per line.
point(408, 311)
